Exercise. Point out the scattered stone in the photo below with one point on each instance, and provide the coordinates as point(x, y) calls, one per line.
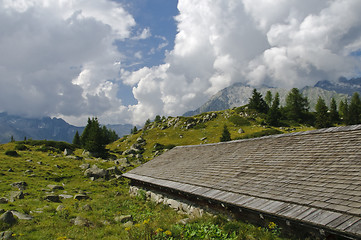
point(240, 131)
point(3, 200)
point(128, 224)
point(87, 207)
point(204, 138)
point(8, 218)
point(52, 198)
point(81, 197)
point(6, 235)
point(29, 160)
point(10, 170)
point(80, 221)
point(21, 185)
point(86, 153)
point(184, 221)
point(123, 218)
point(40, 163)
point(16, 195)
point(67, 152)
point(113, 170)
point(96, 172)
point(60, 208)
point(105, 222)
point(65, 196)
point(29, 171)
point(57, 166)
point(55, 187)
point(22, 216)
point(85, 166)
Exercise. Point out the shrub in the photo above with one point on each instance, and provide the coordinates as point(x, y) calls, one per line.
point(21, 147)
point(261, 134)
point(239, 121)
point(11, 153)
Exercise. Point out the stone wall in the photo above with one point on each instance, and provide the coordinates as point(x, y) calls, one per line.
point(182, 206)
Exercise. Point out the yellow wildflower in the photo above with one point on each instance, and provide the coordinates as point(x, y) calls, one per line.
point(127, 229)
point(159, 230)
point(137, 225)
point(146, 221)
point(168, 233)
point(272, 225)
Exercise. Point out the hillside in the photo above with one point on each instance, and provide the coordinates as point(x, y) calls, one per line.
point(239, 94)
point(204, 128)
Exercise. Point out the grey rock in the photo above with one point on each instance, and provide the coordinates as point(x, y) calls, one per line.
point(21, 185)
point(240, 131)
point(96, 172)
point(22, 216)
point(65, 196)
point(16, 195)
point(204, 138)
point(67, 152)
point(123, 218)
point(85, 166)
point(87, 207)
point(57, 166)
point(60, 208)
point(40, 163)
point(128, 224)
point(52, 198)
point(10, 170)
point(8, 218)
point(55, 187)
point(29, 171)
point(113, 170)
point(81, 197)
point(6, 235)
point(80, 221)
point(184, 221)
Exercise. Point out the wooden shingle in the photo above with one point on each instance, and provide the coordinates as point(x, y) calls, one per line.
point(313, 177)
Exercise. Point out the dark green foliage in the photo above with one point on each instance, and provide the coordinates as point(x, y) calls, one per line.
point(268, 98)
point(344, 111)
point(322, 117)
point(226, 136)
point(21, 147)
point(257, 103)
point(296, 106)
point(157, 119)
point(354, 110)
point(334, 115)
point(134, 130)
point(59, 146)
point(159, 147)
point(11, 153)
point(12, 138)
point(76, 139)
point(274, 114)
point(239, 121)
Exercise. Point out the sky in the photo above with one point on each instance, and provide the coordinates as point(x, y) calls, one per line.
point(126, 61)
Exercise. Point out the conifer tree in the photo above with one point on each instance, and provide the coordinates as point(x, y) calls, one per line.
point(334, 115)
point(256, 102)
point(274, 113)
point(322, 118)
point(296, 105)
point(226, 136)
point(268, 98)
point(76, 139)
point(354, 110)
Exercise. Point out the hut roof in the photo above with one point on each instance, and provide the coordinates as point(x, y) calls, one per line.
point(313, 177)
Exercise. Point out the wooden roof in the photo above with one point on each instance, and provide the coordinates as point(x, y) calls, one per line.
point(313, 177)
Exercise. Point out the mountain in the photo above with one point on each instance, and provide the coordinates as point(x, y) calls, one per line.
point(342, 85)
point(239, 94)
point(44, 128)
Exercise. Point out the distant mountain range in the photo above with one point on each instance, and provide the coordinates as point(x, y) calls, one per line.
point(45, 128)
point(239, 94)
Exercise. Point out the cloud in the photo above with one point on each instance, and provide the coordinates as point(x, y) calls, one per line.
point(277, 43)
point(60, 58)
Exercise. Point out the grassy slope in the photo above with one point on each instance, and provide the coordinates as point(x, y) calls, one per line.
point(110, 198)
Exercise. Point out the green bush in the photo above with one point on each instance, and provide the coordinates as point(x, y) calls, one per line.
point(21, 147)
point(260, 134)
point(239, 121)
point(11, 153)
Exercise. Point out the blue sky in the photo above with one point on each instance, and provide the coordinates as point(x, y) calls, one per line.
point(126, 61)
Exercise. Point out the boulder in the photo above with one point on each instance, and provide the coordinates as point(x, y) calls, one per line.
point(87, 208)
point(85, 166)
point(6, 235)
point(80, 221)
point(123, 218)
point(55, 187)
point(96, 172)
point(67, 152)
point(8, 218)
point(16, 195)
point(20, 185)
point(65, 196)
point(52, 198)
point(113, 170)
point(240, 131)
point(81, 197)
point(22, 216)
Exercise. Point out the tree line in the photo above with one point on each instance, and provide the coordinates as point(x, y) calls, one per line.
point(296, 110)
point(94, 138)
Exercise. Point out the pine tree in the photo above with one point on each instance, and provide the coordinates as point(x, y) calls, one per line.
point(268, 98)
point(76, 139)
point(274, 113)
point(93, 139)
point(334, 115)
point(354, 109)
point(322, 118)
point(257, 103)
point(226, 136)
point(12, 138)
point(296, 105)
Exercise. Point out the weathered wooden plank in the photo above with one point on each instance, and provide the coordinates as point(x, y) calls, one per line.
point(355, 228)
point(348, 223)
